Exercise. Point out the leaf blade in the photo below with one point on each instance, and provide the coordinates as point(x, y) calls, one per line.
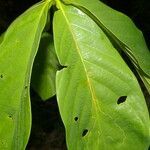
point(120, 26)
point(82, 86)
point(123, 32)
point(44, 68)
point(17, 52)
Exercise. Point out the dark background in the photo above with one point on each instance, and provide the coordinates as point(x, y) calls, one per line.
point(47, 128)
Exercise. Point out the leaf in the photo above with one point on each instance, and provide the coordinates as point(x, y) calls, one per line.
point(121, 30)
point(99, 98)
point(44, 68)
point(146, 82)
point(17, 53)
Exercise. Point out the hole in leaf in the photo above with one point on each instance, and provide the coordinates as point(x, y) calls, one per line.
point(62, 67)
point(1, 76)
point(10, 116)
point(76, 118)
point(85, 131)
point(121, 99)
point(26, 87)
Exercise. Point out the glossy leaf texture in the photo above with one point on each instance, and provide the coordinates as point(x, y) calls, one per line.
point(99, 98)
point(122, 31)
point(44, 69)
point(17, 53)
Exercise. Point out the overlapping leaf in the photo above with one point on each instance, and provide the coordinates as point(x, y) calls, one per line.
point(44, 68)
point(17, 52)
point(100, 101)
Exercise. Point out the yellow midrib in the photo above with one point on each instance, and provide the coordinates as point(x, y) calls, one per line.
point(93, 95)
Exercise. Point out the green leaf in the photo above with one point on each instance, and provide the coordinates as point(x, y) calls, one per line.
point(146, 82)
point(99, 98)
point(44, 68)
point(122, 30)
point(17, 53)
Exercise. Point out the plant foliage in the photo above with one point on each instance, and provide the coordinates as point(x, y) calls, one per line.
point(100, 100)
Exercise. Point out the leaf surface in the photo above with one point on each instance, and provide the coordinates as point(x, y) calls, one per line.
point(99, 98)
point(17, 53)
point(44, 68)
point(122, 30)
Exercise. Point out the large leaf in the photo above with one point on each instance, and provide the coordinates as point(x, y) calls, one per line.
point(122, 30)
point(17, 52)
point(44, 68)
point(99, 98)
